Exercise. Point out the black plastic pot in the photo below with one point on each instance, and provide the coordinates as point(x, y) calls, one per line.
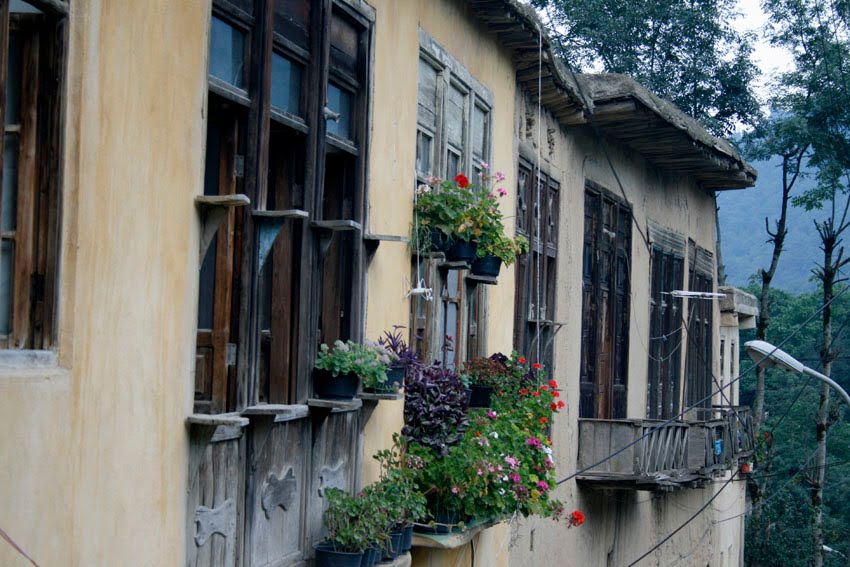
point(392, 547)
point(342, 387)
point(439, 241)
point(481, 395)
point(462, 251)
point(395, 377)
point(488, 266)
point(369, 557)
point(327, 557)
point(407, 538)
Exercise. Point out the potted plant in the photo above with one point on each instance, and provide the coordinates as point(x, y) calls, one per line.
point(484, 376)
point(400, 354)
point(340, 369)
point(434, 407)
point(495, 250)
point(353, 523)
point(459, 213)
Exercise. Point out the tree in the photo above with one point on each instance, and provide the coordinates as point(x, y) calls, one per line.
point(683, 50)
point(815, 91)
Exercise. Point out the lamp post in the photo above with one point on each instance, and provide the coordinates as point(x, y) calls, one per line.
point(768, 356)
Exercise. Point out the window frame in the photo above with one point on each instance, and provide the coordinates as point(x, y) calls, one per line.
point(34, 282)
point(428, 319)
point(259, 376)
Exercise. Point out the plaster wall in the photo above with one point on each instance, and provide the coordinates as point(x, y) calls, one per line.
point(623, 524)
point(391, 185)
point(95, 448)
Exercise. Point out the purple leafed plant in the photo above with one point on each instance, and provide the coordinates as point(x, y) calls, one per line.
point(395, 343)
point(435, 407)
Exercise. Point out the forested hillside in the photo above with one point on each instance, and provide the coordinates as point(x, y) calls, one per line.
point(745, 247)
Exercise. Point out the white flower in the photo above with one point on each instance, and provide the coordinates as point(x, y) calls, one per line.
point(547, 450)
point(502, 490)
point(494, 435)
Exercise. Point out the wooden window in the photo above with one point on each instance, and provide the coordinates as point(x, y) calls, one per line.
point(452, 136)
point(537, 220)
point(665, 333)
point(32, 37)
point(288, 82)
point(605, 305)
point(698, 360)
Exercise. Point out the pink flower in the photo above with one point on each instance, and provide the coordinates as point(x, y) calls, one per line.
point(534, 442)
point(515, 478)
point(491, 196)
point(512, 462)
point(455, 490)
point(502, 191)
point(542, 485)
point(491, 414)
point(500, 176)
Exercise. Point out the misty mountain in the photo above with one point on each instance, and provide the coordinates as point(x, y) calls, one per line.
point(744, 240)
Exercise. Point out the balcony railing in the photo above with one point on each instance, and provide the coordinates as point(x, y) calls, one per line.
point(655, 455)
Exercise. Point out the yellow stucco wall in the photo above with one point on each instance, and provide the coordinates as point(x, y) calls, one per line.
point(95, 450)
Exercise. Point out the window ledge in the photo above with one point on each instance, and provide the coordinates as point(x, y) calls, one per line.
point(335, 405)
point(372, 396)
point(27, 359)
point(486, 280)
point(453, 540)
point(279, 412)
point(214, 420)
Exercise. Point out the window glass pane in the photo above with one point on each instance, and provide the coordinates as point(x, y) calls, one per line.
point(13, 80)
point(292, 20)
point(424, 147)
point(453, 164)
point(479, 133)
point(339, 101)
point(455, 122)
point(206, 291)
point(344, 43)
point(7, 251)
point(21, 7)
point(286, 84)
point(10, 182)
point(227, 52)
point(427, 95)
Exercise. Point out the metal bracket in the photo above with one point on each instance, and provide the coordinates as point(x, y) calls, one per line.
point(269, 225)
point(328, 228)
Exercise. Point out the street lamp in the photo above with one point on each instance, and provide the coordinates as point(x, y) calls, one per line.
point(768, 356)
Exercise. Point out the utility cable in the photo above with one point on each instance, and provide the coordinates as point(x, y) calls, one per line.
point(688, 521)
point(663, 424)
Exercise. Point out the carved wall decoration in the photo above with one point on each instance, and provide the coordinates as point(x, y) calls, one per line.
point(221, 520)
point(278, 491)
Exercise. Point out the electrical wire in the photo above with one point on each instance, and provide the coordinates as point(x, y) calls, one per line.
point(663, 424)
point(688, 521)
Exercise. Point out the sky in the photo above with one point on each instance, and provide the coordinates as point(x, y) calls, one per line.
point(768, 58)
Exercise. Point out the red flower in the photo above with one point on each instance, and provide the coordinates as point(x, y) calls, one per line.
point(553, 384)
point(478, 434)
point(544, 387)
point(561, 404)
point(577, 518)
point(535, 394)
point(554, 407)
point(523, 392)
point(556, 394)
point(544, 420)
point(461, 181)
point(537, 366)
point(521, 360)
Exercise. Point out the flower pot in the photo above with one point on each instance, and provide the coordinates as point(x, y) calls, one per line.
point(462, 251)
point(439, 241)
point(342, 387)
point(468, 393)
point(488, 266)
point(480, 396)
point(326, 556)
point(369, 557)
point(407, 538)
point(395, 377)
point(392, 547)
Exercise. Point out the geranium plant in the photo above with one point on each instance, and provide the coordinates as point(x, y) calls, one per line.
point(504, 248)
point(460, 210)
point(354, 523)
point(369, 361)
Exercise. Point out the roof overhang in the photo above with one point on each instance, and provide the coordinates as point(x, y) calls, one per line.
point(670, 139)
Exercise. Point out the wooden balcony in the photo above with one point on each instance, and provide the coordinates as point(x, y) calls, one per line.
point(658, 456)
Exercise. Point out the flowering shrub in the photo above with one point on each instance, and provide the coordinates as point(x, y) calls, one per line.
point(503, 462)
point(369, 361)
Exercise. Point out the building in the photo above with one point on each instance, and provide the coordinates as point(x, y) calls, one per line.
point(184, 222)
